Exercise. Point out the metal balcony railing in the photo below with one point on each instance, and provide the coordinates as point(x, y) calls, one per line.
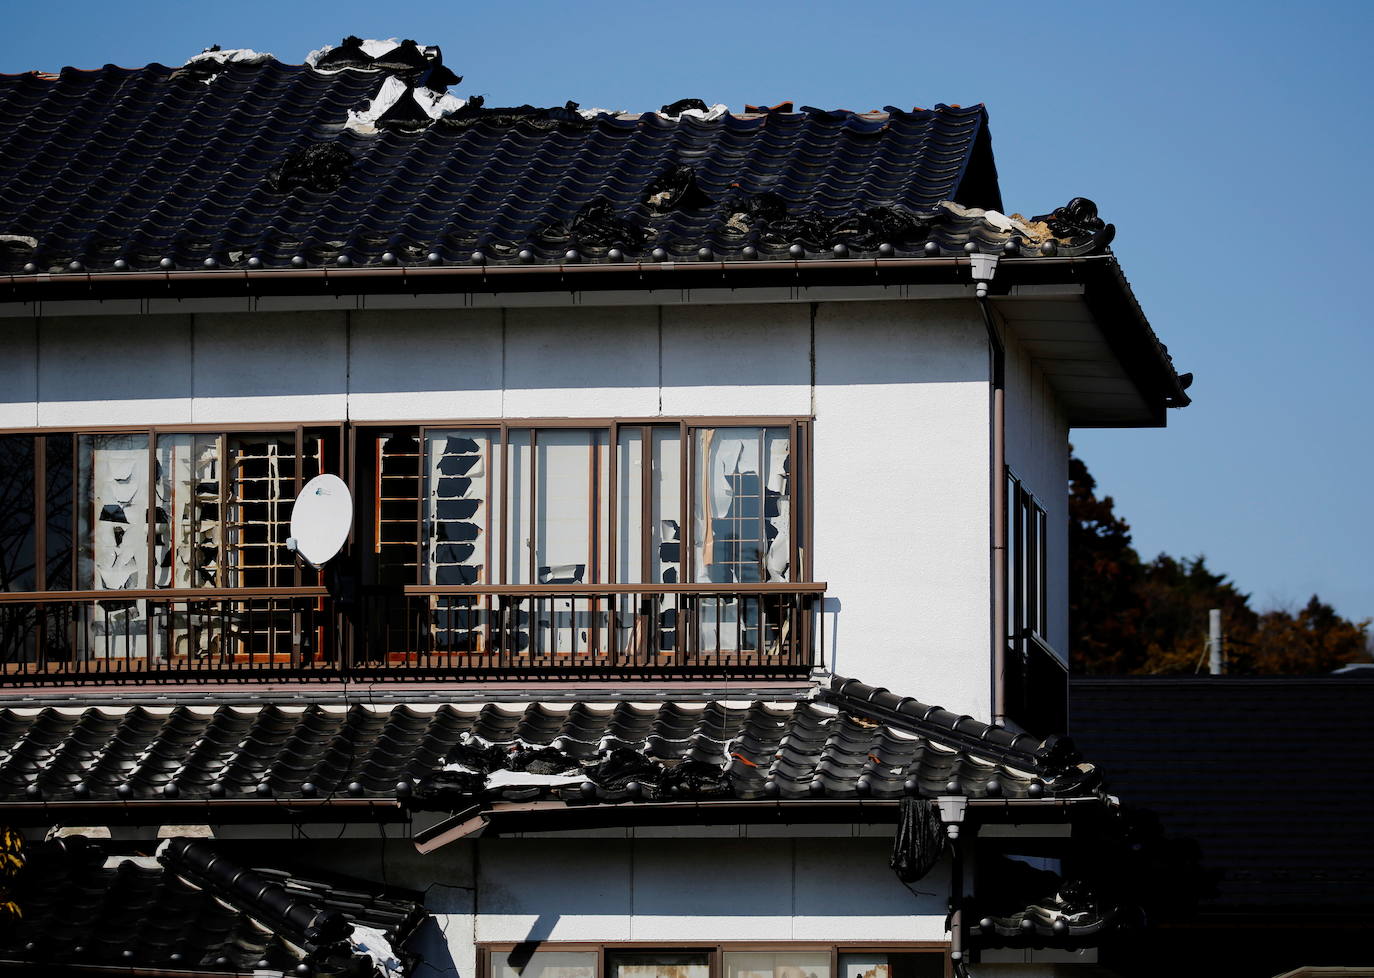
point(708, 630)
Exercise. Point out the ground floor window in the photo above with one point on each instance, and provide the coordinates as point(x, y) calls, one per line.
point(716, 961)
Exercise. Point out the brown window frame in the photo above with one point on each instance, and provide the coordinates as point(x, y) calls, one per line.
point(43, 587)
point(1027, 563)
point(716, 949)
point(800, 441)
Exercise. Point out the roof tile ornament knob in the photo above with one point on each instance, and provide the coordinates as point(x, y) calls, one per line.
point(297, 261)
point(167, 264)
point(660, 254)
point(932, 249)
point(797, 251)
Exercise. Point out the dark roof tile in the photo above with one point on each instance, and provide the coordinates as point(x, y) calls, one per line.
point(851, 732)
point(229, 164)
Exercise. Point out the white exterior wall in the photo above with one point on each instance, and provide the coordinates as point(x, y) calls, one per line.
point(898, 389)
point(606, 889)
point(1038, 454)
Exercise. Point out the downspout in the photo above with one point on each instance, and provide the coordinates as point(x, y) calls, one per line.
point(952, 811)
point(984, 268)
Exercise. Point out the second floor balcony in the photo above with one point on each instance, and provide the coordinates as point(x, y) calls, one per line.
point(498, 549)
point(554, 631)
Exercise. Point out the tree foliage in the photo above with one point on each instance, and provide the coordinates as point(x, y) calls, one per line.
point(1131, 616)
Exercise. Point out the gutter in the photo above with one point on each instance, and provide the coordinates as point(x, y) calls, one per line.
point(554, 816)
point(1108, 293)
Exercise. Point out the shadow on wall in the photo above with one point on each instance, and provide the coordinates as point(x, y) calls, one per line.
point(430, 944)
point(305, 353)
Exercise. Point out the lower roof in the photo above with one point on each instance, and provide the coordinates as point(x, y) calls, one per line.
point(847, 741)
point(194, 908)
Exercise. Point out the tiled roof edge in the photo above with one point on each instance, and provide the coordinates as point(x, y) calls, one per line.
point(1051, 756)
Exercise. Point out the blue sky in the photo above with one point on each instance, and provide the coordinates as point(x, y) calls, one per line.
point(1230, 143)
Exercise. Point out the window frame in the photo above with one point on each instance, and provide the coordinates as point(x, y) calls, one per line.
point(801, 510)
point(715, 951)
point(148, 586)
point(801, 476)
point(1026, 563)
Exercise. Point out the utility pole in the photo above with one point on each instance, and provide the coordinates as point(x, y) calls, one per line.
point(1214, 663)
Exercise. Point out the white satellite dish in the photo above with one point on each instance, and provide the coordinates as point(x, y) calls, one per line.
point(321, 519)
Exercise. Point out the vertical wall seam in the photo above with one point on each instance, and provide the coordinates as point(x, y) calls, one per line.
point(195, 325)
point(660, 360)
point(794, 888)
point(503, 361)
point(348, 364)
point(37, 353)
point(814, 306)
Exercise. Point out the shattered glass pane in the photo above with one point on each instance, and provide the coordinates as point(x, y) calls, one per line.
point(186, 551)
point(112, 539)
point(742, 505)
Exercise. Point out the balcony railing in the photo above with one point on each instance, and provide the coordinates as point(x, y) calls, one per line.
point(708, 630)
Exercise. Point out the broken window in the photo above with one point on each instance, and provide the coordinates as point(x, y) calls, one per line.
point(741, 530)
point(458, 512)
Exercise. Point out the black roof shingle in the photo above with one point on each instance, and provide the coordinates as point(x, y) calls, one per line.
point(851, 741)
point(256, 165)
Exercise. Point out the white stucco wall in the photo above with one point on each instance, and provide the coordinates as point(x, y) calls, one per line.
point(898, 390)
point(902, 497)
point(652, 890)
point(1037, 453)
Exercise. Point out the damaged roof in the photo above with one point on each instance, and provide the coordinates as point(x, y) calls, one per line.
point(850, 741)
point(245, 162)
point(196, 909)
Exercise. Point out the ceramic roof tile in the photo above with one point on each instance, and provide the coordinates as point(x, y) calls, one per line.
point(256, 163)
point(854, 741)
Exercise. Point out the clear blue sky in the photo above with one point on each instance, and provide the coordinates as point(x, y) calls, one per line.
point(1229, 142)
